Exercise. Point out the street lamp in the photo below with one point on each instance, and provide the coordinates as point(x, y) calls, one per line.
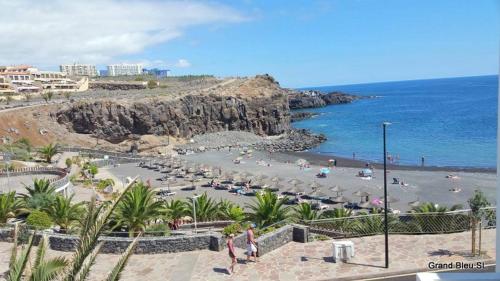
point(194, 197)
point(386, 223)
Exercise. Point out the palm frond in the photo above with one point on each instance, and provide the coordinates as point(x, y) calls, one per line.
point(17, 269)
point(117, 270)
point(13, 254)
point(88, 241)
point(84, 272)
point(42, 250)
point(48, 270)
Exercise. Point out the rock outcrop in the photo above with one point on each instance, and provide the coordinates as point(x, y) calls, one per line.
point(313, 99)
point(183, 117)
point(299, 116)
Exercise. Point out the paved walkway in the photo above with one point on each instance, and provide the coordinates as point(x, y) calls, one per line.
point(296, 261)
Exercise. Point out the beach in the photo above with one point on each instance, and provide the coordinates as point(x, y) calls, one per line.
point(424, 185)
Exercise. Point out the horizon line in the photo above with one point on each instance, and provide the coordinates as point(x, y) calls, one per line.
point(393, 81)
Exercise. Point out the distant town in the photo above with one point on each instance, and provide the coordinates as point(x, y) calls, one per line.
point(25, 80)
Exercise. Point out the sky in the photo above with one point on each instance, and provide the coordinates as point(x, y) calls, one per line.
point(301, 43)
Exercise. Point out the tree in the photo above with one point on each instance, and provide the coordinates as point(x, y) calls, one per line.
point(137, 208)
point(305, 212)
point(477, 203)
point(63, 213)
point(206, 208)
point(79, 265)
point(433, 218)
point(176, 209)
point(49, 151)
point(340, 219)
point(268, 209)
point(10, 206)
point(40, 196)
point(230, 211)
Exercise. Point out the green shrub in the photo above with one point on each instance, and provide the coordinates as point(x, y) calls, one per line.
point(69, 162)
point(234, 228)
point(152, 84)
point(157, 230)
point(39, 220)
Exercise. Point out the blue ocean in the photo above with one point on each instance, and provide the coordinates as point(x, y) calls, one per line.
point(451, 122)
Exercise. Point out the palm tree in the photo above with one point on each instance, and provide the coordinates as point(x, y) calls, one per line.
point(206, 208)
point(41, 269)
point(305, 212)
point(230, 211)
point(10, 206)
point(137, 209)
point(338, 219)
point(432, 218)
point(78, 266)
point(268, 209)
point(64, 213)
point(176, 209)
point(40, 196)
point(49, 151)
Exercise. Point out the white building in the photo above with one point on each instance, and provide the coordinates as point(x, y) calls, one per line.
point(79, 70)
point(124, 69)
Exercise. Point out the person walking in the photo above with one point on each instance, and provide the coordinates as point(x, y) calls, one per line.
point(423, 161)
point(232, 252)
point(251, 245)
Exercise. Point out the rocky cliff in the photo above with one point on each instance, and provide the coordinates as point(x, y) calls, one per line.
point(115, 121)
point(312, 99)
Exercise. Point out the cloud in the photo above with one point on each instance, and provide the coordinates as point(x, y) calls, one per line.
point(183, 63)
point(93, 31)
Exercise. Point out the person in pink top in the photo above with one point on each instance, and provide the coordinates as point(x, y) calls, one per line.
point(232, 253)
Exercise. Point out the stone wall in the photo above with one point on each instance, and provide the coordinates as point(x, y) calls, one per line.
point(146, 245)
point(274, 240)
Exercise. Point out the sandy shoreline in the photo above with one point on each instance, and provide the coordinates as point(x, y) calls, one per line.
point(423, 185)
point(321, 159)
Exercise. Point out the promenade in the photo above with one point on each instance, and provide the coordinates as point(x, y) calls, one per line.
point(297, 261)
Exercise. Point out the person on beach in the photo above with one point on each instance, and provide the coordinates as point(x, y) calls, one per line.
point(232, 253)
point(423, 160)
point(251, 245)
point(353, 156)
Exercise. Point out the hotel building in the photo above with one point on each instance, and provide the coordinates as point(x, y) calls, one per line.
point(124, 69)
point(79, 70)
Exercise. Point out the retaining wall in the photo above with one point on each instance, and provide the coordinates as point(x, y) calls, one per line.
point(146, 245)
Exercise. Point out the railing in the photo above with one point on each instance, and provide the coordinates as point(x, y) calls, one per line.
point(60, 184)
point(409, 223)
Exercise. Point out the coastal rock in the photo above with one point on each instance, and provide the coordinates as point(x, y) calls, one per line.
point(314, 99)
point(299, 116)
point(184, 117)
point(294, 140)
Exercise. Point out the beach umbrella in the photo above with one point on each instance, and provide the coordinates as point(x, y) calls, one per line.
point(295, 181)
point(301, 162)
point(295, 190)
point(260, 177)
point(341, 199)
point(337, 189)
point(366, 205)
point(324, 170)
point(360, 193)
point(317, 194)
point(377, 202)
point(314, 185)
point(414, 204)
point(276, 179)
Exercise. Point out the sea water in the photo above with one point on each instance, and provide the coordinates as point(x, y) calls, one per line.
point(450, 122)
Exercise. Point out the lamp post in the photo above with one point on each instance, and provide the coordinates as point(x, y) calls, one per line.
point(194, 197)
point(386, 223)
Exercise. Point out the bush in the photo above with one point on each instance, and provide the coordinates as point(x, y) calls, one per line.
point(39, 220)
point(69, 162)
point(157, 230)
point(152, 84)
point(234, 228)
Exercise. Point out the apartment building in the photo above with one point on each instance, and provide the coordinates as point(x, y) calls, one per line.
point(124, 69)
point(79, 70)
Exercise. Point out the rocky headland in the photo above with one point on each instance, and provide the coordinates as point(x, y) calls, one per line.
point(256, 105)
point(314, 99)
